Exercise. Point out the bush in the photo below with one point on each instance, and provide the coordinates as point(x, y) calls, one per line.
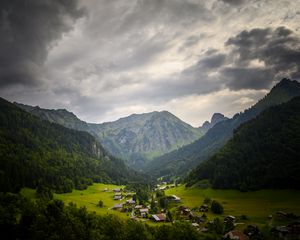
point(100, 204)
point(216, 207)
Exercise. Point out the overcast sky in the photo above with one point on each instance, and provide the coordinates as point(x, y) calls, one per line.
point(106, 59)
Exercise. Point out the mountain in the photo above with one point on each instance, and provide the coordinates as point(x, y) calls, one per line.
point(263, 153)
point(216, 118)
point(34, 152)
point(181, 161)
point(139, 137)
point(136, 138)
point(59, 116)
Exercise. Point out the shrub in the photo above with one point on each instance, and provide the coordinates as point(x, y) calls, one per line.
point(216, 207)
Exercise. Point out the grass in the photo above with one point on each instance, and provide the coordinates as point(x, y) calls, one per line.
point(257, 205)
point(91, 196)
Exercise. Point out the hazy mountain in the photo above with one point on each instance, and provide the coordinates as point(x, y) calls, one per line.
point(216, 117)
point(263, 153)
point(181, 161)
point(136, 138)
point(144, 136)
point(34, 151)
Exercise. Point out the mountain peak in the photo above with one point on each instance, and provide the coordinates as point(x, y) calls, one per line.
point(216, 117)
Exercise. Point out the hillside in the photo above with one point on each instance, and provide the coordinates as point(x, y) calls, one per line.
point(263, 153)
point(34, 151)
point(136, 138)
point(144, 136)
point(181, 161)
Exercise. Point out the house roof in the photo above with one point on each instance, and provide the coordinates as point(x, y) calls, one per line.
point(118, 205)
point(236, 235)
point(117, 197)
point(144, 210)
point(138, 206)
point(176, 198)
point(159, 217)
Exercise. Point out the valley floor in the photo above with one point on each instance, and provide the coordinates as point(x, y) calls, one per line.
point(257, 206)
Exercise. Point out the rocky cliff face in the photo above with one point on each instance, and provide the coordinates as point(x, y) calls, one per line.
point(216, 118)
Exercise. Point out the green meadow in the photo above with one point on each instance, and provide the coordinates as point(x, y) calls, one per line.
point(91, 196)
point(257, 205)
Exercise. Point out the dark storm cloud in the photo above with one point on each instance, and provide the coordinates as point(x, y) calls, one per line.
point(28, 29)
point(277, 49)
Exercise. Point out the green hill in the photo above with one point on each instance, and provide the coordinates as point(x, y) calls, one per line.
point(263, 153)
point(183, 160)
point(34, 151)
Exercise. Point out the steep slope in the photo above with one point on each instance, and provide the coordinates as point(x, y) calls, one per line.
point(144, 136)
point(181, 161)
point(263, 153)
point(34, 151)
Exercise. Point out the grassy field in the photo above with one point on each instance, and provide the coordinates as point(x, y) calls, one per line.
point(257, 206)
point(91, 196)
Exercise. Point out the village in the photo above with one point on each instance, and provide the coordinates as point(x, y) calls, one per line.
point(169, 209)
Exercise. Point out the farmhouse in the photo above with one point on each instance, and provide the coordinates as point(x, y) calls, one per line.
point(204, 208)
point(118, 206)
point(229, 218)
point(175, 198)
point(143, 211)
point(130, 202)
point(237, 235)
point(117, 197)
point(291, 231)
point(161, 217)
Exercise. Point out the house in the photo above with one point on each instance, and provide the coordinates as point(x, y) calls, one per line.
point(291, 231)
point(175, 198)
point(138, 206)
point(236, 235)
point(117, 197)
point(118, 206)
point(117, 190)
point(161, 217)
point(118, 194)
point(229, 218)
point(130, 202)
point(196, 225)
point(184, 210)
point(204, 208)
point(143, 211)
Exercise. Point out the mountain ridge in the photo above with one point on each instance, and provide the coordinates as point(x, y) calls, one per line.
point(181, 161)
point(255, 156)
point(136, 138)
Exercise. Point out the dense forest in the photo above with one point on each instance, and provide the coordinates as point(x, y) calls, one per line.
point(35, 152)
point(263, 153)
point(181, 161)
